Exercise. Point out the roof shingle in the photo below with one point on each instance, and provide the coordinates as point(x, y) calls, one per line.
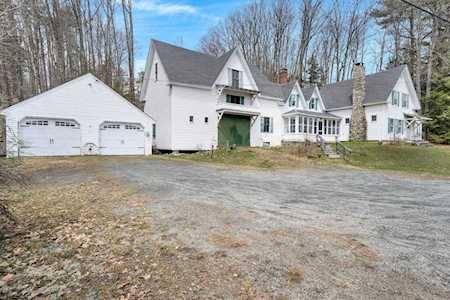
point(378, 88)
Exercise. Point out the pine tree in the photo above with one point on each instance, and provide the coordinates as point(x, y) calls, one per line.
point(439, 111)
point(313, 71)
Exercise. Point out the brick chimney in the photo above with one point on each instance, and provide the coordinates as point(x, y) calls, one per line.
point(358, 130)
point(283, 76)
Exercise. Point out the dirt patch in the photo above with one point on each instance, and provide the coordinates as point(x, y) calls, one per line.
point(70, 244)
point(346, 241)
point(226, 240)
point(295, 275)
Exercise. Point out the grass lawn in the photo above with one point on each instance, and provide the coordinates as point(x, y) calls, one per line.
point(371, 155)
point(266, 158)
point(401, 157)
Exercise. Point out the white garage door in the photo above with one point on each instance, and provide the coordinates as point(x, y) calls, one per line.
point(121, 139)
point(48, 137)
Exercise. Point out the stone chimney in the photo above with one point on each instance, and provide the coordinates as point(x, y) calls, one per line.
point(358, 129)
point(283, 76)
point(2, 136)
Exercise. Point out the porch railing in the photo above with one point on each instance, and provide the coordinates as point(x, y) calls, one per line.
point(343, 150)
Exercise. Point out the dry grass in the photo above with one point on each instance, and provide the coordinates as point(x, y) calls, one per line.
point(266, 158)
point(226, 240)
point(295, 275)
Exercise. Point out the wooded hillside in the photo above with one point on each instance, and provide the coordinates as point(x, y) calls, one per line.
point(44, 43)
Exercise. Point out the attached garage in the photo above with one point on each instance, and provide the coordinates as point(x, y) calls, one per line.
point(81, 117)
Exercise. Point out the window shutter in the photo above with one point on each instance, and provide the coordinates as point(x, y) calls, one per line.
point(241, 75)
point(271, 125)
point(262, 123)
point(230, 77)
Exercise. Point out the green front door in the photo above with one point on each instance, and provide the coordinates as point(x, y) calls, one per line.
point(234, 130)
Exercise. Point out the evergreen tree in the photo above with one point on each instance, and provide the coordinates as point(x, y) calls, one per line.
point(438, 104)
point(313, 71)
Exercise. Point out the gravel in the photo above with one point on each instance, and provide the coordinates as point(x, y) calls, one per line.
point(356, 234)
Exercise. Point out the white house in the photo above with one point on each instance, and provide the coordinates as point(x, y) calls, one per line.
point(83, 116)
point(200, 101)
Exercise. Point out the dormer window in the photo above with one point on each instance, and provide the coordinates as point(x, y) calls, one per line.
point(235, 79)
point(293, 100)
point(313, 104)
point(405, 100)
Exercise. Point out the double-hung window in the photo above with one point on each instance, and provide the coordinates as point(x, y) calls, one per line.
point(405, 100)
point(293, 100)
point(395, 126)
point(390, 125)
point(266, 124)
point(235, 79)
point(395, 98)
point(313, 104)
point(292, 121)
point(235, 99)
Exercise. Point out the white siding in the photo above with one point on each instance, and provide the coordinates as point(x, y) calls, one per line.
point(237, 63)
point(86, 100)
point(158, 104)
point(344, 129)
point(377, 130)
point(272, 109)
point(198, 103)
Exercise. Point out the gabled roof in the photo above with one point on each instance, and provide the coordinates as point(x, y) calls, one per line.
point(378, 88)
point(189, 67)
point(76, 80)
point(196, 68)
point(308, 91)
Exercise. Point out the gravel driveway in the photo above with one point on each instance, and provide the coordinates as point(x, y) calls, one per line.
point(355, 234)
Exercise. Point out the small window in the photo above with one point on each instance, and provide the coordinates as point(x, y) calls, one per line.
point(154, 131)
point(347, 120)
point(132, 127)
point(156, 71)
point(235, 99)
point(374, 118)
point(206, 120)
point(312, 104)
point(111, 126)
point(191, 119)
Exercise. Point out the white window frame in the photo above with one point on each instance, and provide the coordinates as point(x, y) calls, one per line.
point(292, 124)
point(396, 98)
point(405, 100)
point(266, 128)
point(293, 100)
